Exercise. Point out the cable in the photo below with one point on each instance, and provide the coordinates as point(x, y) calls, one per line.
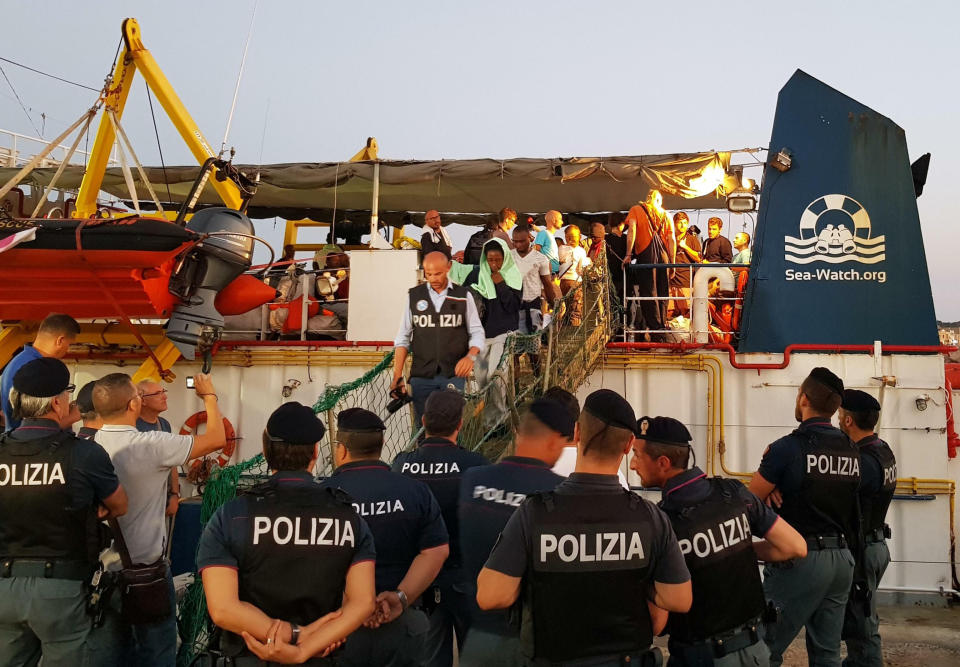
point(22, 105)
point(159, 148)
point(72, 83)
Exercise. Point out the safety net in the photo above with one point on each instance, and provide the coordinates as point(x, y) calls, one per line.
point(563, 354)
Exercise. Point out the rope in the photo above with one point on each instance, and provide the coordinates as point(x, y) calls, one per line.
point(136, 161)
point(66, 161)
point(22, 105)
point(32, 164)
point(156, 133)
point(72, 83)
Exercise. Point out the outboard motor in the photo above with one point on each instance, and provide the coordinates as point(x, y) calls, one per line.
point(209, 267)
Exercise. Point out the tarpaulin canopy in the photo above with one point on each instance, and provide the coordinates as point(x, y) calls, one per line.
point(476, 187)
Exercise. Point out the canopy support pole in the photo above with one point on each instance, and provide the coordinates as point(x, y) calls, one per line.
point(375, 204)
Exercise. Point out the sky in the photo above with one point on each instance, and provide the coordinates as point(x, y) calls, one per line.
point(500, 79)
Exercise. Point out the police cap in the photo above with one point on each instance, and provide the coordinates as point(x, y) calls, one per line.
point(446, 404)
point(296, 424)
point(85, 398)
point(665, 430)
point(359, 420)
point(827, 379)
point(554, 416)
point(612, 409)
point(42, 378)
point(855, 400)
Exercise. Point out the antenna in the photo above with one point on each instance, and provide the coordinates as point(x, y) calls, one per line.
point(236, 90)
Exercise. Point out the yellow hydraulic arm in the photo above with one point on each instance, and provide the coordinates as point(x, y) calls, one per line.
point(134, 58)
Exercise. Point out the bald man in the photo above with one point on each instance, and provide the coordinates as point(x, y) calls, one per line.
point(434, 236)
point(441, 331)
point(546, 241)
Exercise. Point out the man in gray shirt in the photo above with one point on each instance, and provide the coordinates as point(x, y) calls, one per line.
point(143, 462)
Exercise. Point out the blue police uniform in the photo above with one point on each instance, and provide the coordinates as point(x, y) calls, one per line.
point(440, 464)
point(50, 485)
point(26, 355)
point(489, 495)
point(588, 553)
point(816, 469)
point(723, 569)
point(404, 519)
point(878, 482)
point(295, 577)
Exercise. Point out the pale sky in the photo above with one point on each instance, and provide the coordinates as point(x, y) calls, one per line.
point(503, 79)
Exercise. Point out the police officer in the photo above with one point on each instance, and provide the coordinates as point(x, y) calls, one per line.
point(859, 414)
point(409, 535)
point(440, 463)
point(715, 521)
point(489, 495)
point(91, 421)
point(290, 565)
point(51, 484)
point(441, 329)
point(588, 555)
point(816, 471)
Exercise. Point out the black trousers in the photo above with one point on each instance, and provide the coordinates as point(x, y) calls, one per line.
point(645, 283)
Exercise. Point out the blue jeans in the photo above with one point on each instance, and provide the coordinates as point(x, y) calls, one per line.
point(421, 388)
point(147, 645)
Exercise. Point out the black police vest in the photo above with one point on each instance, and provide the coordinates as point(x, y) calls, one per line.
point(714, 536)
point(35, 499)
point(589, 572)
point(873, 507)
point(440, 339)
point(301, 541)
point(830, 468)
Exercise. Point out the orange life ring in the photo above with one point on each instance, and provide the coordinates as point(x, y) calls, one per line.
point(190, 427)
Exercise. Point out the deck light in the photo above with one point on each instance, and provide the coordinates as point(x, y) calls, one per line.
point(783, 160)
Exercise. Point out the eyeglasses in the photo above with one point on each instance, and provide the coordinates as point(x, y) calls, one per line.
point(156, 393)
point(71, 388)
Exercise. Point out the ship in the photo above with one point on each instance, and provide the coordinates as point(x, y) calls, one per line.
point(838, 279)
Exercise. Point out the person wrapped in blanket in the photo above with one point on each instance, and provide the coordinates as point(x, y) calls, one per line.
point(497, 284)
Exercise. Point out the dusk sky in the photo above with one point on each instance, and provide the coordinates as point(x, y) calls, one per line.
point(503, 79)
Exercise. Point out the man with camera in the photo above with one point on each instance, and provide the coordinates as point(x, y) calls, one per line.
point(53, 486)
point(442, 333)
point(143, 462)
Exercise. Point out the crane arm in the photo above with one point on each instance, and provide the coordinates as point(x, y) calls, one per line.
point(135, 57)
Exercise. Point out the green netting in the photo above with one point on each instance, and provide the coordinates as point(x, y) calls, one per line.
point(563, 354)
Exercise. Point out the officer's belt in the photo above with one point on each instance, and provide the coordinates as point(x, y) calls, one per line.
point(877, 535)
point(818, 542)
point(48, 569)
point(652, 657)
point(722, 644)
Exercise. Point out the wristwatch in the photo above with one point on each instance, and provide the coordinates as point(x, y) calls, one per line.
point(403, 599)
point(294, 634)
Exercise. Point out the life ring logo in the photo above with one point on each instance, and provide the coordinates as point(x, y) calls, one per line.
point(834, 229)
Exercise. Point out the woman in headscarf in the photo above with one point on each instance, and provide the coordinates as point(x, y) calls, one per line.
point(497, 284)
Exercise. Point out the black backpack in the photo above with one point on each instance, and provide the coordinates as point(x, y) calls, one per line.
point(471, 254)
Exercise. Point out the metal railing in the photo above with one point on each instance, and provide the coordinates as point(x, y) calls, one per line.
point(10, 148)
point(633, 318)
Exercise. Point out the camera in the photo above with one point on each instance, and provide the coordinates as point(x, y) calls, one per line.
point(400, 398)
point(190, 382)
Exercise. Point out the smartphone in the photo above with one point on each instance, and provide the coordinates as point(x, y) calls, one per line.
point(189, 382)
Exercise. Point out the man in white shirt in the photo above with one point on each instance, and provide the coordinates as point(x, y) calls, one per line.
point(143, 462)
point(535, 269)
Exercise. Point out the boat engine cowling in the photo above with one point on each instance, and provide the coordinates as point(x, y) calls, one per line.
point(206, 269)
